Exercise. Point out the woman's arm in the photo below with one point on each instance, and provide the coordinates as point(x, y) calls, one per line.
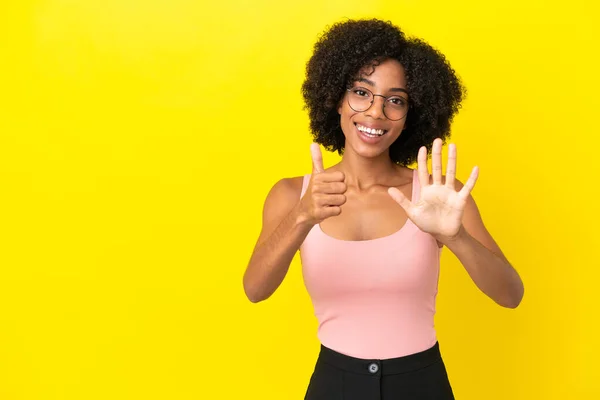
point(282, 233)
point(287, 220)
point(447, 211)
point(482, 258)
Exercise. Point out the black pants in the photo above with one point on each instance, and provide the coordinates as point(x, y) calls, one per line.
point(420, 376)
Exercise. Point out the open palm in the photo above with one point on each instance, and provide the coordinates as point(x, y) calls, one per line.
point(440, 207)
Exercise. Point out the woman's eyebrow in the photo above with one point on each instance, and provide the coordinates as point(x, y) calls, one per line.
point(371, 83)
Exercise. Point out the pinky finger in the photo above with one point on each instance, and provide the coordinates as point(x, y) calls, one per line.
point(470, 184)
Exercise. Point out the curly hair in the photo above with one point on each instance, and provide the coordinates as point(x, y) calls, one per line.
point(346, 49)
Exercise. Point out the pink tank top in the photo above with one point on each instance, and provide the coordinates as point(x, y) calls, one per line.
point(375, 298)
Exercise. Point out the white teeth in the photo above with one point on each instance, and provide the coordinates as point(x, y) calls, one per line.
point(371, 132)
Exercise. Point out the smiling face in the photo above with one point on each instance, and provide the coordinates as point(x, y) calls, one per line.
point(370, 133)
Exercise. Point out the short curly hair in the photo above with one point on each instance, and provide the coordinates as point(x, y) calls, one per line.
point(345, 49)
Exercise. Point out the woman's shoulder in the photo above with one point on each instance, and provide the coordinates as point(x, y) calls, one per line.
point(287, 188)
point(282, 197)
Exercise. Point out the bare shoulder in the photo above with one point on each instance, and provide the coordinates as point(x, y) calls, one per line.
point(286, 189)
point(282, 197)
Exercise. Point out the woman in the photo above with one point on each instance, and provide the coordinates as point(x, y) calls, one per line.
point(370, 229)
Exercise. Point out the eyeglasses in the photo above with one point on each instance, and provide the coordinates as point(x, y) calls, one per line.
point(394, 107)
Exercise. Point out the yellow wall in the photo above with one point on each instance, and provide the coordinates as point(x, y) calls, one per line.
point(139, 138)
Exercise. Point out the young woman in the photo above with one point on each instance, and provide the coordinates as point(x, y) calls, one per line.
point(370, 229)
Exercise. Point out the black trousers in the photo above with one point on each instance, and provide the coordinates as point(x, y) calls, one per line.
point(420, 376)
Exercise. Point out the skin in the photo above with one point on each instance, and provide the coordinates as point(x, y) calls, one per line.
point(366, 196)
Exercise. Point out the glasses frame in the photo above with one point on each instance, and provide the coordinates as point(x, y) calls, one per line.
point(373, 101)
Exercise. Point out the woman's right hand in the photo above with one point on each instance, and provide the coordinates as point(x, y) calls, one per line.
point(325, 193)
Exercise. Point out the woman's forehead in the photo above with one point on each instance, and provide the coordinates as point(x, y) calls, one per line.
point(387, 74)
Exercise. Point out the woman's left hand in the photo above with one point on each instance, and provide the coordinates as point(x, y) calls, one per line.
point(439, 209)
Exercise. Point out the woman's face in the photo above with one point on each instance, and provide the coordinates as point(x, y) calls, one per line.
point(370, 133)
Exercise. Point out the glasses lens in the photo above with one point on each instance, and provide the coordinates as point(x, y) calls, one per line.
point(395, 108)
point(360, 99)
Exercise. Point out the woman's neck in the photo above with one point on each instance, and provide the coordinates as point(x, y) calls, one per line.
point(364, 173)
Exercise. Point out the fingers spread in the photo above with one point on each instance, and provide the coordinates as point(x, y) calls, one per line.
point(436, 162)
point(451, 168)
point(470, 183)
point(423, 172)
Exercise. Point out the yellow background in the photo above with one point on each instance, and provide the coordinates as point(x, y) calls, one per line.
point(138, 140)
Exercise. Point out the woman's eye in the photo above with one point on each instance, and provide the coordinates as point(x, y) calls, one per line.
point(360, 92)
point(397, 101)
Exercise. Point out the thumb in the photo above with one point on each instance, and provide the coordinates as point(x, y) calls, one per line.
point(400, 198)
point(317, 158)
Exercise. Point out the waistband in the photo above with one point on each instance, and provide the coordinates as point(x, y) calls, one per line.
point(388, 366)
